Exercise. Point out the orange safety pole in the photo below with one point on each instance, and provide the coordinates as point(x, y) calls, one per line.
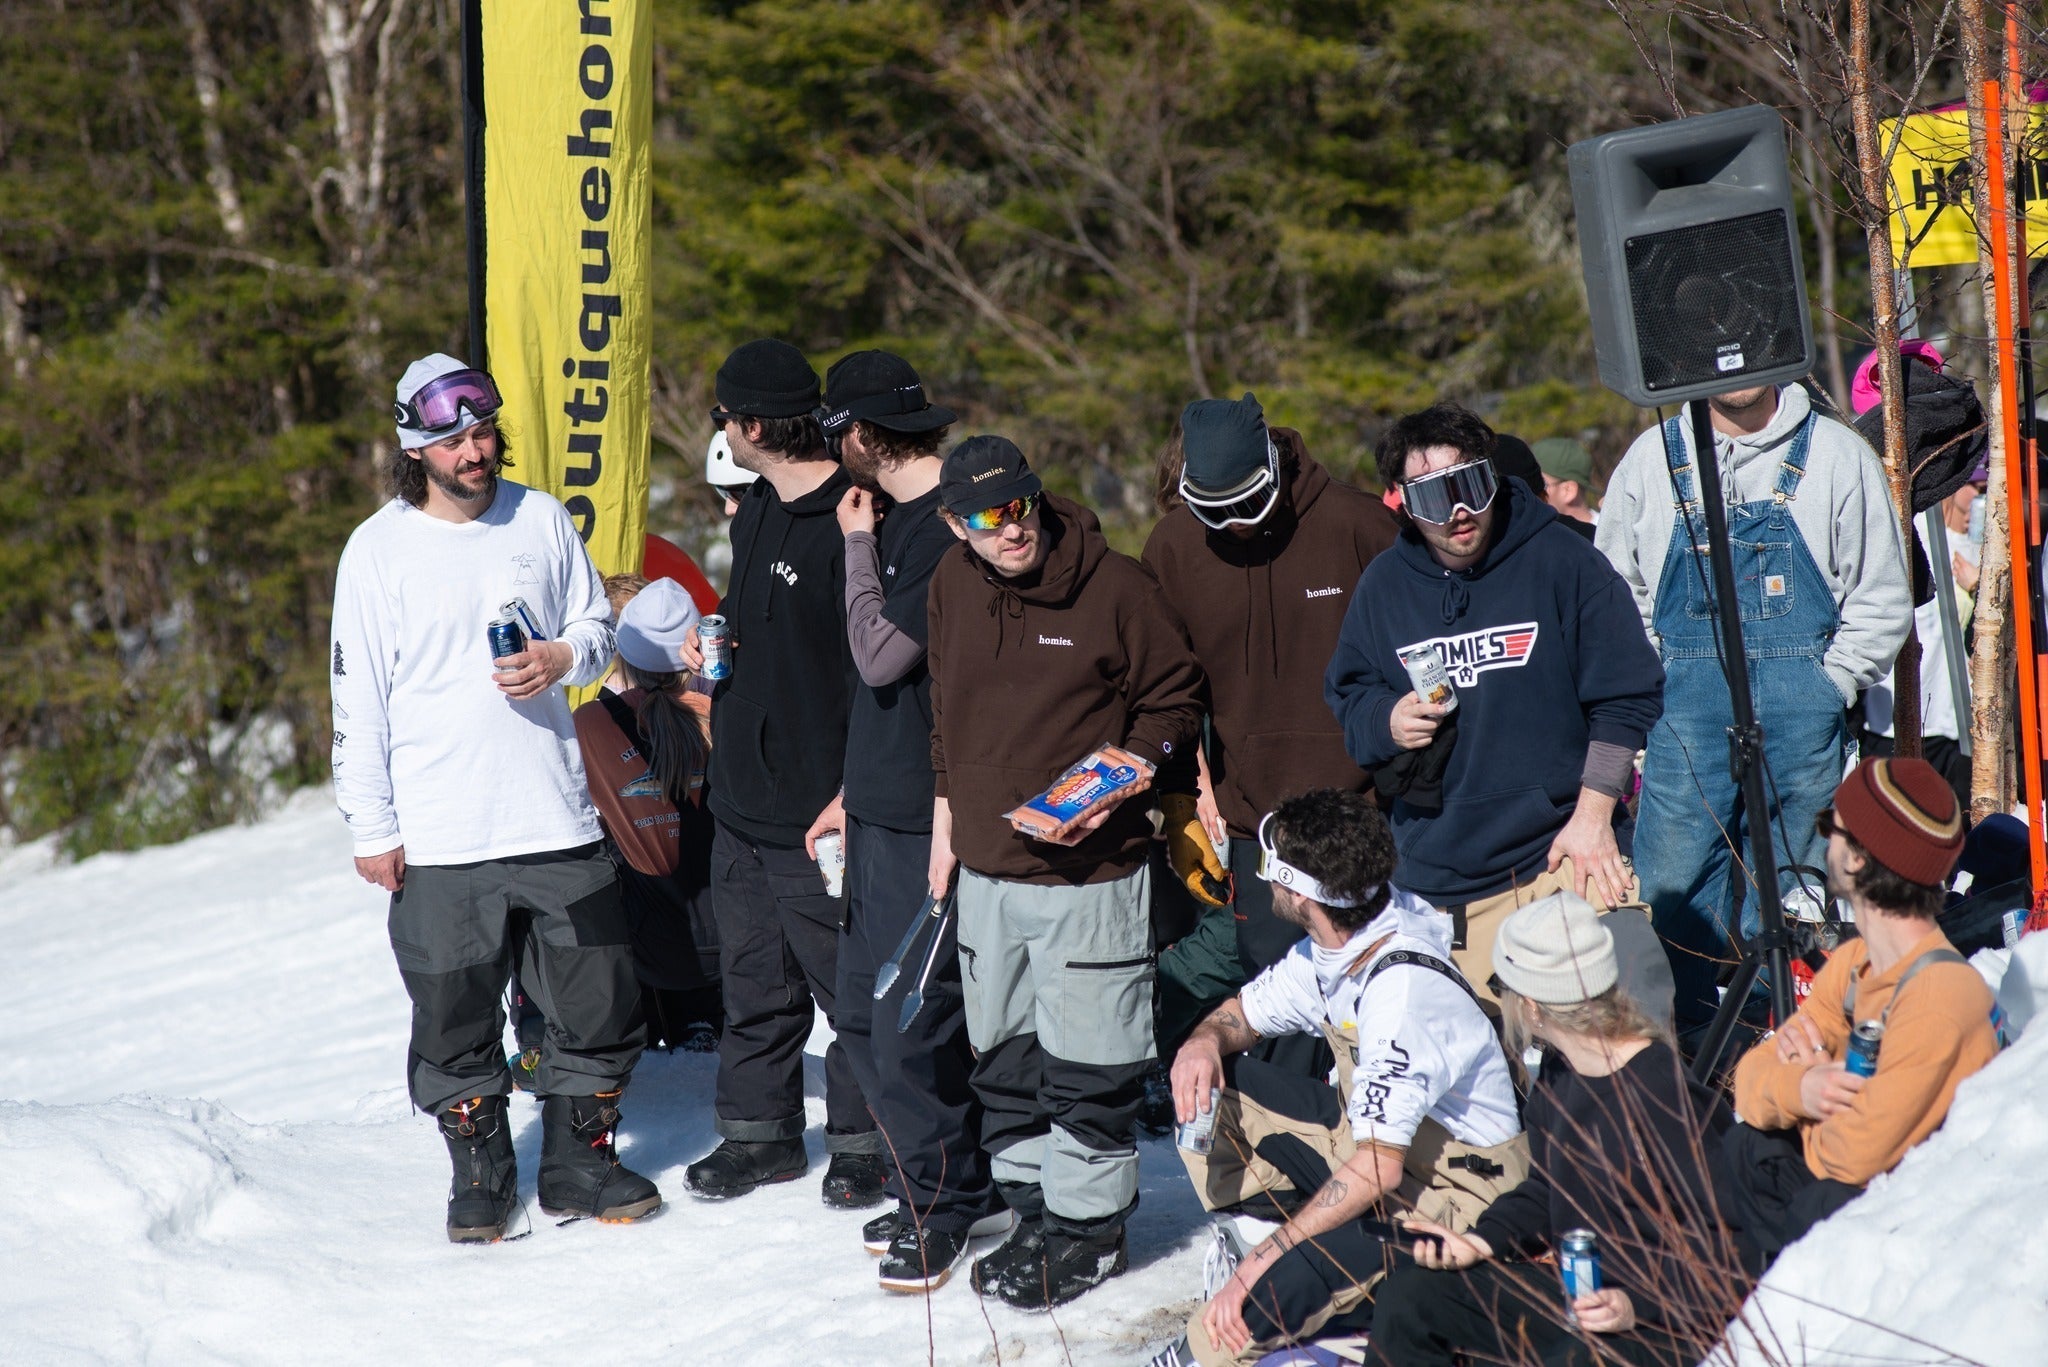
point(2015, 489)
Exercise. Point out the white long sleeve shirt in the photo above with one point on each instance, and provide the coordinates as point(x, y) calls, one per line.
point(1843, 511)
point(1424, 1046)
point(428, 754)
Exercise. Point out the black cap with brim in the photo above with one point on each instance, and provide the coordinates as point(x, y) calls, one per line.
point(767, 378)
point(985, 472)
point(881, 388)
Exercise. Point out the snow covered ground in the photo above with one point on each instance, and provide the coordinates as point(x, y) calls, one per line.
point(211, 1160)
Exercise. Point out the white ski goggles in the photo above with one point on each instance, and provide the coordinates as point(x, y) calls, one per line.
point(1274, 869)
point(1245, 506)
point(1436, 497)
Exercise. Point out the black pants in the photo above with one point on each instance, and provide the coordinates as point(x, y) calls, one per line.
point(1510, 1312)
point(458, 931)
point(1263, 939)
point(916, 1081)
point(778, 952)
point(1768, 1194)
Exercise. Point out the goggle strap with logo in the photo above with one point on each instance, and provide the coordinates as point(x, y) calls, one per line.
point(909, 399)
point(438, 404)
point(1274, 869)
point(1437, 496)
point(1245, 508)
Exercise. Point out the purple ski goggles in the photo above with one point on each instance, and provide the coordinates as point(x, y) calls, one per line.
point(439, 403)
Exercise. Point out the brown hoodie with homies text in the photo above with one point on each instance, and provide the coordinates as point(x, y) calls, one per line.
point(1263, 614)
point(1030, 674)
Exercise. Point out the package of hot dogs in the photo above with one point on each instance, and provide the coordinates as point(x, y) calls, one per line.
point(1107, 774)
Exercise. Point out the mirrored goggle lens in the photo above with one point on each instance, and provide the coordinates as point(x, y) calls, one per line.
point(1017, 509)
point(1437, 497)
point(440, 402)
point(1241, 510)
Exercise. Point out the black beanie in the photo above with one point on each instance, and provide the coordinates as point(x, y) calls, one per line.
point(768, 378)
point(1224, 442)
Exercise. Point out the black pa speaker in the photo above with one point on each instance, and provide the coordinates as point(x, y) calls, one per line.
point(1691, 253)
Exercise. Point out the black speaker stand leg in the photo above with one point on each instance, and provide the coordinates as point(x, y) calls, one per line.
point(1768, 949)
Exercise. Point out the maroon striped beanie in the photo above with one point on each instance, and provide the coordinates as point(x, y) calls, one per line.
point(1905, 815)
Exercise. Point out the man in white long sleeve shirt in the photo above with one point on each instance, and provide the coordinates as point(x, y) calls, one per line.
point(1825, 601)
point(463, 788)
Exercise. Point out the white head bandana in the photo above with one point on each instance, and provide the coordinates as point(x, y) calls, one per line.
point(1274, 869)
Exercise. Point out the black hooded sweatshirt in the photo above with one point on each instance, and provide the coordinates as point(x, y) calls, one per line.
point(1030, 674)
point(1263, 614)
point(778, 725)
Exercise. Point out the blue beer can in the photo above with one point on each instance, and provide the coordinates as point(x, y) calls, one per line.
point(1578, 1263)
point(505, 636)
point(714, 637)
point(1863, 1044)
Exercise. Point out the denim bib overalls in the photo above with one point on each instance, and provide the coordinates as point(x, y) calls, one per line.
point(1691, 819)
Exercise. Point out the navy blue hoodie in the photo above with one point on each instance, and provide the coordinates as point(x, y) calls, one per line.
point(1545, 647)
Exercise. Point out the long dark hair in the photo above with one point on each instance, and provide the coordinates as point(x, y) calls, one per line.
point(670, 733)
point(406, 477)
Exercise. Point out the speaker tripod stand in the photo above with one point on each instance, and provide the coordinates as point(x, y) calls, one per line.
point(1771, 947)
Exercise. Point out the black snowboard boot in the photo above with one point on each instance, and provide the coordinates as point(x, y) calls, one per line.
point(485, 1192)
point(737, 1166)
point(1025, 1244)
point(1070, 1265)
point(854, 1181)
point(580, 1172)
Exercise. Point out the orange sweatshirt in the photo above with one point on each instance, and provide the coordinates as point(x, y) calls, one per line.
point(1939, 1034)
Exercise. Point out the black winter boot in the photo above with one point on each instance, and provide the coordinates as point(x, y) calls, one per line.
point(1025, 1244)
point(580, 1172)
point(485, 1192)
point(854, 1181)
point(737, 1166)
point(1070, 1265)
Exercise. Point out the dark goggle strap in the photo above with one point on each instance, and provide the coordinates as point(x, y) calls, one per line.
point(909, 399)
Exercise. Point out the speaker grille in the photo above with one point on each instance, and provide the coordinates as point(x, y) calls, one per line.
point(1716, 300)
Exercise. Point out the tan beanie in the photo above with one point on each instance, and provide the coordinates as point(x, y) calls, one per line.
point(1556, 951)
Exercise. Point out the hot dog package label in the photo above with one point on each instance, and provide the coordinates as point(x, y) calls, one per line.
point(1106, 774)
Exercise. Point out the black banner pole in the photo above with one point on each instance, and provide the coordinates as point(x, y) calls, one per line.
point(473, 172)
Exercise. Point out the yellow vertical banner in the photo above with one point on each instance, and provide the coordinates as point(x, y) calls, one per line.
point(568, 93)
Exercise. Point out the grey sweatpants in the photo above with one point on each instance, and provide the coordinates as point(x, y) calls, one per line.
point(1058, 985)
point(455, 929)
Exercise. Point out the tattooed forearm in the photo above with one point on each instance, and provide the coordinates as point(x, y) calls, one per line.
point(1228, 1019)
point(1334, 1192)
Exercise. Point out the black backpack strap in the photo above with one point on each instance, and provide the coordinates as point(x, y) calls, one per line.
point(1420, 960)
point(622, 717)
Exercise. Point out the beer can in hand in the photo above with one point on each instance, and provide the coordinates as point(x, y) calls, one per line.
point(831, 848)
point(505, 637)
point(1863, 1044)
point(1199, 1135)
point(1426, 671)
point(1578, 1263)
point(714, 636)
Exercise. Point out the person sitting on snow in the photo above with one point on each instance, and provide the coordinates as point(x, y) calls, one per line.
point(1424, 1118)
point(1813, 1132)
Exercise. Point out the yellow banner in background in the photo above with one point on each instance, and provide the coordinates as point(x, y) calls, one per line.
point(1932, 215)
point(568, 122)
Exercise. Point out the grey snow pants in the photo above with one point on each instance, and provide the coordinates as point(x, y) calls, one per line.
point(1058, 985)
point(455, 929)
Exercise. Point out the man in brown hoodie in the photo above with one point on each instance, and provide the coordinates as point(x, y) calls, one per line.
point(1045, 644)
point(1259, 560)
point(1813, 1132)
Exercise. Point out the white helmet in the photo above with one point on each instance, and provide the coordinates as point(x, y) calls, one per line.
point(720, 469)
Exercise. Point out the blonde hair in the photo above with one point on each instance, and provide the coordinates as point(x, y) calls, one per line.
point(1613, 1017)
point(620, 589)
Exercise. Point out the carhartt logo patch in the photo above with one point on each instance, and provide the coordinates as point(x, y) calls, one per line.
point(1046, 640)
point(1468, 656)
point(1774, 585)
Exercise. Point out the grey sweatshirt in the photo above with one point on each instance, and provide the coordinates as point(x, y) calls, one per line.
point(1843, 511)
